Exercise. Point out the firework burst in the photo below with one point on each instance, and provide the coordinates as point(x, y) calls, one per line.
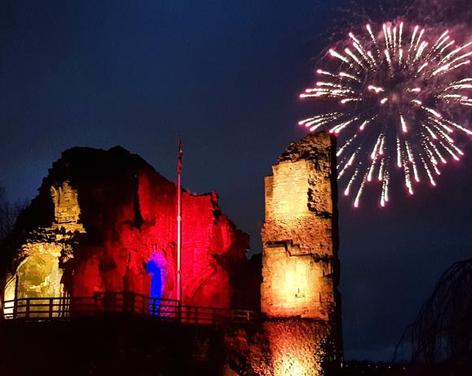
point(392, 98)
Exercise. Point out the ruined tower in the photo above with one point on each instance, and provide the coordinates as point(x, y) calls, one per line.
point(300, 265)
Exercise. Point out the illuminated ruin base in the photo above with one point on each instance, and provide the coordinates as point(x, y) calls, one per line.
point(300, 267)
point(297, 348)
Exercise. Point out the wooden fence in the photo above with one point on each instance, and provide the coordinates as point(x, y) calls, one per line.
point(121, 303)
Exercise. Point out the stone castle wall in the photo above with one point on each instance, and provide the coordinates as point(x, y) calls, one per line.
point(300, 267)
point(102, 217)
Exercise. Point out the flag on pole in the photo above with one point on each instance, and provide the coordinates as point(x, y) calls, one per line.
point(180, 157)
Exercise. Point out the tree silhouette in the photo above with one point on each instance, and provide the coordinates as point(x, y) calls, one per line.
point(8, 214)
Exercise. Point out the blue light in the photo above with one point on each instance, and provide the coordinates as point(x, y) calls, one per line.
point(157, 285)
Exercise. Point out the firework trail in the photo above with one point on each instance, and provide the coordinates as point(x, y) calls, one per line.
point(390, 97)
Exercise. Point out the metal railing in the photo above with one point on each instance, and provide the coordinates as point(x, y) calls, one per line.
point(121, 303)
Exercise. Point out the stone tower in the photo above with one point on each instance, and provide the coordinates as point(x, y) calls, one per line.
point(300, 272)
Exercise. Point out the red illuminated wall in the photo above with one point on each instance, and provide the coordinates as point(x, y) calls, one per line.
point(128, 211)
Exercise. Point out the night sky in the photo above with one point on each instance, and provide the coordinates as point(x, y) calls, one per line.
point(224, 75)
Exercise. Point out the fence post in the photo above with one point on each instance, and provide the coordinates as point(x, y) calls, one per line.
point(15, 307)
point(95, 304)
point(27, 308)
point(62, 306)
point(51, 307)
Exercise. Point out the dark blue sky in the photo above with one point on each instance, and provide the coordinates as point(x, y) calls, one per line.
point(225, 76)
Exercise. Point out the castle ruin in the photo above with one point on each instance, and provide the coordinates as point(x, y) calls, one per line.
point(104, 226)
point(300, 269)
point(105, 221)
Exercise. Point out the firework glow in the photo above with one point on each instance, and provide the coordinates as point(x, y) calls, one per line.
point(393, 97)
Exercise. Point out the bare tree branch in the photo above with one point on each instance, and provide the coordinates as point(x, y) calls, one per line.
point(8, 214)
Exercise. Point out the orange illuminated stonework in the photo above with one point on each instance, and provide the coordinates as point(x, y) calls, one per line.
point(300, 265)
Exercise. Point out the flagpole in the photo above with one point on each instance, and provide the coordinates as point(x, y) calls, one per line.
point(179, 223)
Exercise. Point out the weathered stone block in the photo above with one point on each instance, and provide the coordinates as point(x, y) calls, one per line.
point(300, 265)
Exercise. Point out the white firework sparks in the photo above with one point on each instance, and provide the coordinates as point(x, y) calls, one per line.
point(388, 94)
